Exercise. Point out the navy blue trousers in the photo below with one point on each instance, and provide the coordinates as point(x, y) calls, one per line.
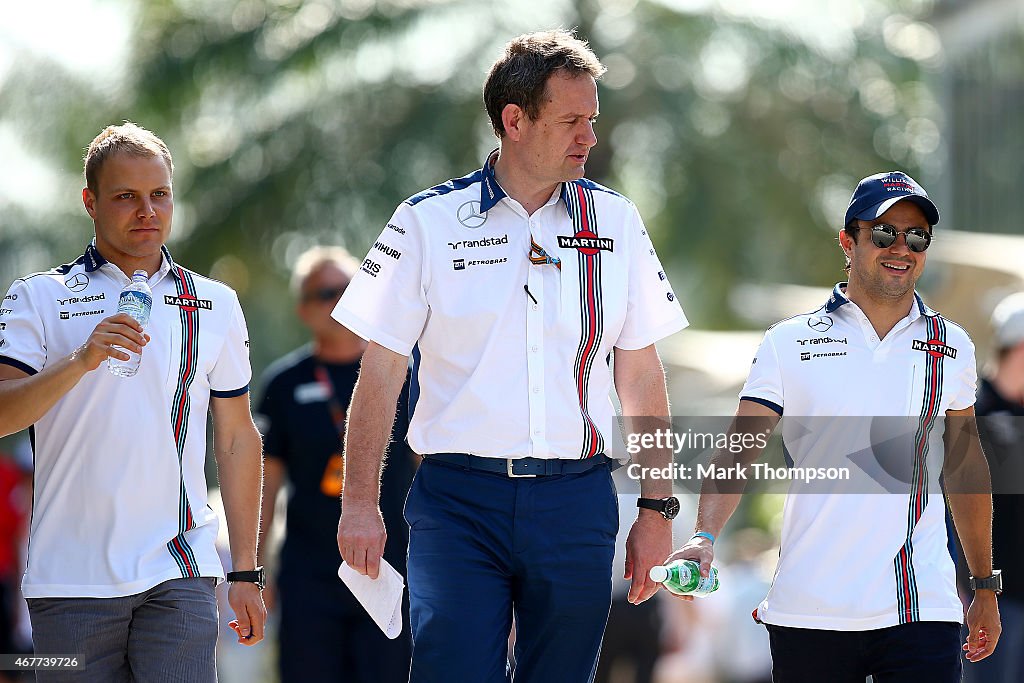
point(918, 652)
point(483, 547)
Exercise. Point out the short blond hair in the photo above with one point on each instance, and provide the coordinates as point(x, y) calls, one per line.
point(128, 138)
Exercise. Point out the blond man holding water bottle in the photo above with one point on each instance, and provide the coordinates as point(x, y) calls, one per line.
point(122, 565)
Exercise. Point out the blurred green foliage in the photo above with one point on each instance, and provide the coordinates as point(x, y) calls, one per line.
point(294, 123)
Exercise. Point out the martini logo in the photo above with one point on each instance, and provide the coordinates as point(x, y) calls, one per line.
point(188, 303)
point(586, 242)
point(934, 348)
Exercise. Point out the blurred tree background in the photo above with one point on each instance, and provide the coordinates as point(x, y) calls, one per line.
point(738, 128)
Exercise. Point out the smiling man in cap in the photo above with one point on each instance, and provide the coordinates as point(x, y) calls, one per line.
point(865, 583)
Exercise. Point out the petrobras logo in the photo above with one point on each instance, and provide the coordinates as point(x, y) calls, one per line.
point(476, 244)
point(81, 299)
point(462, 264)
point(68, 315)
point(189, 303)
point(586, 242)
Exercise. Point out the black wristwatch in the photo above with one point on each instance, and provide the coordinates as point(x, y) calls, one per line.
point(256, 576)
point(992, 583)
point(668, 507)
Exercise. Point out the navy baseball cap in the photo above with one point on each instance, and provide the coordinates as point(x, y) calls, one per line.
point(877, 193)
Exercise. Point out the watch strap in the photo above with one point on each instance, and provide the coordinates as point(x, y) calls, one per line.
point(256, 576)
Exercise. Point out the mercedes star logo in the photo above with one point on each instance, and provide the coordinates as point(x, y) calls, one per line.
point(78, 282)
point(470, 216)
point(820, 323)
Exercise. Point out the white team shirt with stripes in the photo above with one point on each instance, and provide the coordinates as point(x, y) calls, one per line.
point(120, 493)
point(510, 358)
point(873, 553)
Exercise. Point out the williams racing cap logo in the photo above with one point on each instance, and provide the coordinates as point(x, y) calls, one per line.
point(934, 348)
point(586, 242)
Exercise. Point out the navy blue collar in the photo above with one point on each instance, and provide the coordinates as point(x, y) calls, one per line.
point(490, 191)
point(94, 259)
point(839, 298)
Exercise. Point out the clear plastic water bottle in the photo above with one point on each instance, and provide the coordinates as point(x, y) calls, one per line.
point(137, 301)
point(682, 577)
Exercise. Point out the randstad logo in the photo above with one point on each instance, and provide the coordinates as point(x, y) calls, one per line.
point(475, 244)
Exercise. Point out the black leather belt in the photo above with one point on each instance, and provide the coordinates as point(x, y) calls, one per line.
point(521, 467)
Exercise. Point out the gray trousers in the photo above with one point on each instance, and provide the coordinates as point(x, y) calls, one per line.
point(168, 633)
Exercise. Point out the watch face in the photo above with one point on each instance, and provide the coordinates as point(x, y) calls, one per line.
point(671, 507)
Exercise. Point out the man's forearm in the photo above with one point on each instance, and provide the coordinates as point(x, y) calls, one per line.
point(25, 399)
point(972, 516)
point(371, 417)
point(643, 394)
point(239, 464)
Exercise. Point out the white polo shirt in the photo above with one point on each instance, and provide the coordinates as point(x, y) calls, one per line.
point(510, 358)
point(119, 503)
point(873, 553)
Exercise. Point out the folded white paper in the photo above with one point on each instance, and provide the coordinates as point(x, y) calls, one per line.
point(380, 597)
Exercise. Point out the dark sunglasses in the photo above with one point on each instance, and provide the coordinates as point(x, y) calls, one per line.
point(323, 294)
point(884, 236)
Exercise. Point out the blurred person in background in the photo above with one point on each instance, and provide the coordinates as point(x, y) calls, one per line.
point(865, 584)
point(122, 561)
point(510, 289)
point(1000, 409)
point(15, 507)
point(325, 634)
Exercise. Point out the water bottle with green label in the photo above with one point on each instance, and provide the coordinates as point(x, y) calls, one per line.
point(682, 577)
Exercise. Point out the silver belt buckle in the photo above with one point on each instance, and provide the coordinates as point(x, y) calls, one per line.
point(508, 470)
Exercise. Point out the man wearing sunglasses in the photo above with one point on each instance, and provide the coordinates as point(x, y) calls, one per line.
point(865, 583)
point(323, 631)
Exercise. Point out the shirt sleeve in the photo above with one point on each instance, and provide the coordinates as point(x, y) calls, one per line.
point(231, 373)
point(652, 310)
point(764, 382)
point(386, 301)
point(22, 337)
point(966, 385)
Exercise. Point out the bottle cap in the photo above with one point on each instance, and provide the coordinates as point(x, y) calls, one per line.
point(658, 573)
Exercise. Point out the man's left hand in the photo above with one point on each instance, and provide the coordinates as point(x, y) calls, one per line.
point(250, 619)
point(983, 626)
point(648, 544)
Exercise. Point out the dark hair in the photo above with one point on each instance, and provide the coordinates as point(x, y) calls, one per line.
point(127, 138)
point(521, 74)
point(850, 229)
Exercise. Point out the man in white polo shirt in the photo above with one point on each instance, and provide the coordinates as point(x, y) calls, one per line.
point(878, 384)
point(511, 289)
point(122, 565)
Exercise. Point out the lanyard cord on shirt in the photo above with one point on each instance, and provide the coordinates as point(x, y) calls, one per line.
point(333, 406)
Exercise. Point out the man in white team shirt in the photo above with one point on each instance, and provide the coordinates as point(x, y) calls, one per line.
point(122, 564)
point(511, 289)
point(865, 583)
